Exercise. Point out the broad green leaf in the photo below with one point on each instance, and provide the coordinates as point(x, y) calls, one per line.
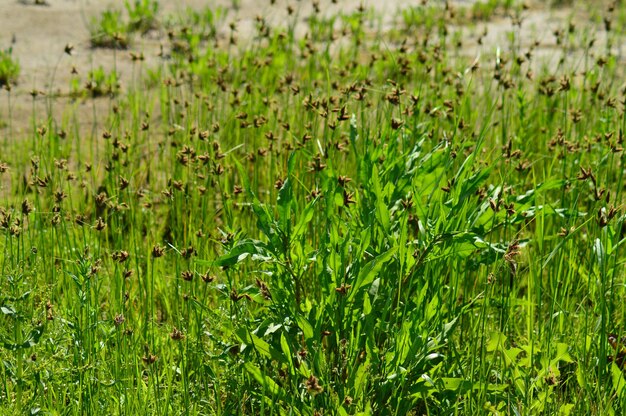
point(562, 353)
point(566, 409)
point(305, 217)
point(305, 327)
point(260, 345)
point(32, 340)
point(382, 212)
point(617, 375)
point(360, 378)
point(284, 346)
point(240, 251)
point(268, 384)
point(456, 384)
point(496, 341)
point(369, 271)
point(510, 354)
point(7, 310)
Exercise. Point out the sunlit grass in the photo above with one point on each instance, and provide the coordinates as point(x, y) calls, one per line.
point(354, 222)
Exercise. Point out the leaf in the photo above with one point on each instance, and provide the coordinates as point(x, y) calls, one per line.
point(580, 377)
point(266, 382)
point(265, 222)
point(598, 248)
point(285, 196)
point(510, 355)
point(305, 217)
point(456, 384)
point(562, 353)
point(370, 270)
point(566, 409)
point(562, 241)
point(33, 339)
point(284, 346)
point(240, 251)
point(465, 244)
point(447, 328)
point(496, 341)
point(7, 310)
point(470, 185)
point(272, 328)
point(260, 345)
point(374, 288)
point(360, 378)
point(382, 212)
point(23, 296)
point(305, 327)
point(617, 377)
point(242, 176)
point(338, 198)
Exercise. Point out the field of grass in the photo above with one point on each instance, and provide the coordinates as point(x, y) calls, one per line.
point(365, 220)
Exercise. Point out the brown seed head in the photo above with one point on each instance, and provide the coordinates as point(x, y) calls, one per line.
point(312, 385)
point(119, 319)
point(177, 334)
point(157, 251)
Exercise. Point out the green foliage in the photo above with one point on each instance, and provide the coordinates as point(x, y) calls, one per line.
point(351, 223)
point(142, 15)
point(112, 29)
point(100, 83)
point(109, 31)
point(9, 67)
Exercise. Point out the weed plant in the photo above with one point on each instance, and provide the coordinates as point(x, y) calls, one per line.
point(9, 68)
point(353, 222)
point(142, 15)
point(112, 28)
point(109, 31)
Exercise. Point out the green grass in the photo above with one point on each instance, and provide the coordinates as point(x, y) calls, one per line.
point(9, 68)
point(100, 83)
point(113, 29)
point(286, 226)
point(142, 15)
point(109, 31)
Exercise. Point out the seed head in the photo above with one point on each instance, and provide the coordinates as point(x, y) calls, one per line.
point(157, 251)
point(312, 385)
point(264, 289)
point(187, 275)
point(149, 359)
point(119, 319)
point(27, 207)
point(120, 256)
point(100, 224)
point(177, 334)
point(208, 278)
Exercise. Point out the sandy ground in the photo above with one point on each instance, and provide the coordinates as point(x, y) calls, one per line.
point(38, 35)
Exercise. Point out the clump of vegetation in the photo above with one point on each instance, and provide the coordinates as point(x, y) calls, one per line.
point(101, 83)
point(142, 15)
point(9, 68)
point(112, 30)
point(485, 10)
point(356, 221)
point(109, 31)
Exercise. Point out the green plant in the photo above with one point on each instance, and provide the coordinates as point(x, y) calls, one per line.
point(9, 67)
point(360, 220)
point(109, 31)
point(142, 15)
point(99, 83)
